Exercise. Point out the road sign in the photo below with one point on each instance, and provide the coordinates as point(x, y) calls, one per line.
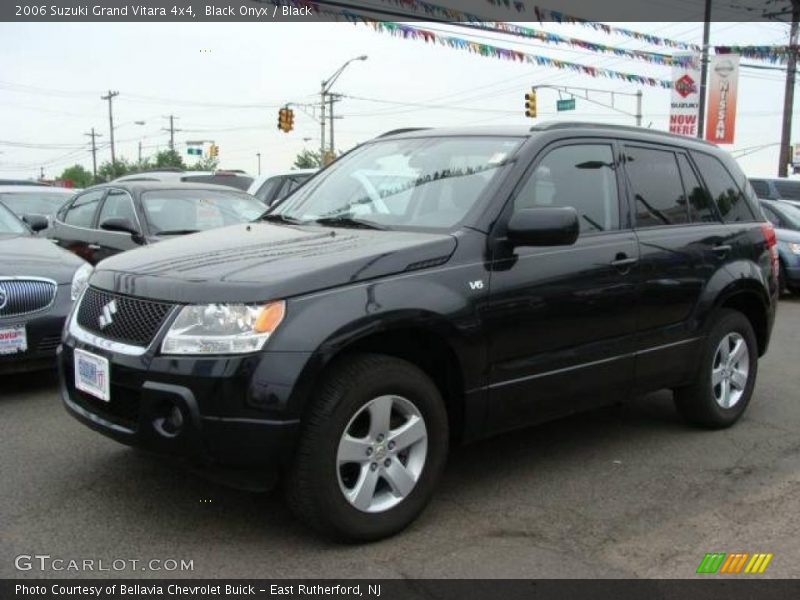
point(568, 104)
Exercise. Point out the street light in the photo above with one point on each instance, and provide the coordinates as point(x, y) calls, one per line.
point(327, 84)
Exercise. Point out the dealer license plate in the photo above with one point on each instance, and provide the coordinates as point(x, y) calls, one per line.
point(13, 340)
point(92, 374)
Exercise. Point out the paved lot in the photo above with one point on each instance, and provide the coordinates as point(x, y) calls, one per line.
point(621, 492)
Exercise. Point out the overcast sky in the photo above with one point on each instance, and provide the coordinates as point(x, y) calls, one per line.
point(225, 83)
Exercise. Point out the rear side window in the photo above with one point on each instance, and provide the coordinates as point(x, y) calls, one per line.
point(730, 200)
point(788, 190)
point(81, 211)
point(701, 209)
point(761, 188)
point(582, 177)
point(657, 189)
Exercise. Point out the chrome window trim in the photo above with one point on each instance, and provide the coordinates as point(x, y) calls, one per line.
point(38, 310)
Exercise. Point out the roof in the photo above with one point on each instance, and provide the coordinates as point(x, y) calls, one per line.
point(35, 189)
point(138, 187)
point(525, 131)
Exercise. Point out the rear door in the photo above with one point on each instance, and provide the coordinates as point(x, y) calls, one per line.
point(682, 243)
point(117, 204)
point(75, 225)
point(560, 320)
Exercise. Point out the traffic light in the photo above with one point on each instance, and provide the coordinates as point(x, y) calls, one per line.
point(213, 151)
point(530, 103)
point(286, 119)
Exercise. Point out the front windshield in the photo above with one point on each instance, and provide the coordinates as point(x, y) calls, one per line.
point(10, 223)
point(34, 202)
point(183, 211)
point(418, 182)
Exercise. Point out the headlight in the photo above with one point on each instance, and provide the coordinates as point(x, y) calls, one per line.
point(223, 328)
point(79, 280)
point(794, 248)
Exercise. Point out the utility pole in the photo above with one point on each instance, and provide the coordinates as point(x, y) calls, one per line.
point(639, 108)
point(788, 97)
point(331, 99)
point(111, 95)
point(41, 173)
point(140, 151)
point(258, 155)
point(171, 130)
point(94, 135)
point(701, 118)
point(322, 123)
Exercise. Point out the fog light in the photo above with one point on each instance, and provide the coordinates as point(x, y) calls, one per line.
point(171, 423)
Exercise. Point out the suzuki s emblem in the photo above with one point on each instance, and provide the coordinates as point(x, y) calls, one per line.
point(3, 298)
point(107, 318)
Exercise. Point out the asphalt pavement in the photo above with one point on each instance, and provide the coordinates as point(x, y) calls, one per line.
point(626, 491)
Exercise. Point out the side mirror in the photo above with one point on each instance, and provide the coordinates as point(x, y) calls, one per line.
point(36, 222)
point(120, 224)
point(544, 227)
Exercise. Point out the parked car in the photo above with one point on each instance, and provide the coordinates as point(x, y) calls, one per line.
point(35, 294)
point(114, 217)
point(23, 182)
point(234, 179)
point(276, 186)
point(509, 276)
point(777, 189)
point(786, 219)
point(35, 200)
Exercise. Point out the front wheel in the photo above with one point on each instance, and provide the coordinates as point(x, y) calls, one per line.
point(373, 447)
point(727, 375)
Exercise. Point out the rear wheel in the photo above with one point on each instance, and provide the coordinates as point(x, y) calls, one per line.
point(727, 374)
point(373, 447)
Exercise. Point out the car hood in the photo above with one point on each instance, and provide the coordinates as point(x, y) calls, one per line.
point(22, 255)
point(261, 261)
point(787, 235)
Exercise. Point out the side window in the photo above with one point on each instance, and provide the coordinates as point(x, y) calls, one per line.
point(292, 183)
point(701, 208)
point(582, 176)
point(788, 190)
point(118, 205)
point(267, 188)
point(760, 187)
point(730, 200)
point(656, 187)
point(81, 212)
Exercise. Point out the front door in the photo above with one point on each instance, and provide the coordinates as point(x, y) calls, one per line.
point(561, 319)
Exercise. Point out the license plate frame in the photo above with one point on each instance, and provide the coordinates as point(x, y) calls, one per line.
point(13, 340)
point(92, 374)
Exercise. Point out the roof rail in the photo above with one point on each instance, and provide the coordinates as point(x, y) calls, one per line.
point(403, 130)
point(161, 170)
point(550, 125)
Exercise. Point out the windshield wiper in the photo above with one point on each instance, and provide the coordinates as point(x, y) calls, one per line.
point(279, 218)
point(177, 231)
point(345, 221)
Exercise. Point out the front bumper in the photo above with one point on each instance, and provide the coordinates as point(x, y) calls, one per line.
point(43, 332)
point(233, 410)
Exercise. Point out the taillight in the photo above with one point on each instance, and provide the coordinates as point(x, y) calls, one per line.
point(772, 246)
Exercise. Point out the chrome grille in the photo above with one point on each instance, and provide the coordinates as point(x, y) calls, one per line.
point(134, 320)
point(22, 296)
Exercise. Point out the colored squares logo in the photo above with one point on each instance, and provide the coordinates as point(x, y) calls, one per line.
point(734, 563)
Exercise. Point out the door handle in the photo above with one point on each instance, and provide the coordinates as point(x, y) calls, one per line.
point(722, 249)
point(94, 246)
point(624, 262)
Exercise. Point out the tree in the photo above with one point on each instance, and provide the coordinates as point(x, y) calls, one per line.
point(208, 163)
point(168, 158)
point(79, 176)
point(308, 159)
point(108, 170)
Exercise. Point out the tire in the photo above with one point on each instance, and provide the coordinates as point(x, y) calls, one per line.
point(703, 403)
point(322, 483)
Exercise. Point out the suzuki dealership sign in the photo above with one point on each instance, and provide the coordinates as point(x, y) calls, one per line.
point(685, 101)
point(724, 77)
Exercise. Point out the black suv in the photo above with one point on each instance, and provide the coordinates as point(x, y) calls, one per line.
point(429, 288)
